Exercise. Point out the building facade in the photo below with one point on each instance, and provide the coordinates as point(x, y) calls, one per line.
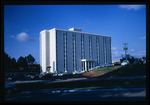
point(73, 51)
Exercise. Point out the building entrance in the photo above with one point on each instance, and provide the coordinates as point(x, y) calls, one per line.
point(87, 64)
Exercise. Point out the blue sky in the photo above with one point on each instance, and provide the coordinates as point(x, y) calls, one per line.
point(124, 23)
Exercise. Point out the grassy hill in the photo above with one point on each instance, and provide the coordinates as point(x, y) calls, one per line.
point(101, 71)
point(127, 70)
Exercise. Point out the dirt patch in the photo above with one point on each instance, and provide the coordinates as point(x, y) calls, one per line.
point(96, 74)
point(92, 74)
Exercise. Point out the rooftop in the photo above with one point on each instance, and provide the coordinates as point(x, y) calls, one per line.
point(77, 30)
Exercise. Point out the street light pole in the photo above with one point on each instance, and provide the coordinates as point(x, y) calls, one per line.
point(125, 48)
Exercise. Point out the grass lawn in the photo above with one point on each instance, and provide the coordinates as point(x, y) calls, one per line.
point(127, 70)
point(101, 71)
point(106, 69)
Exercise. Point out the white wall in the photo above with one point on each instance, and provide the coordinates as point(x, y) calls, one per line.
point(43, 50)
point(47, 48)
point(53, 50)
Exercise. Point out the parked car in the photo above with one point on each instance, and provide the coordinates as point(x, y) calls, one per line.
point(117, 63)
point(125, 62)
point(97, 67)
point(19, 77)
point(47, 75)
point(106, 65)
point(110, 64)
point(54, 74)
point(29, 76)
point(60, 74)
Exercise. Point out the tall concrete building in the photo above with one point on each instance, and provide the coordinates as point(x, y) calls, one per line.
point(73, 51)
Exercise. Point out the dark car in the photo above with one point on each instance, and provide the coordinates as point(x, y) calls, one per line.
point(117, 63)
point(47, 75)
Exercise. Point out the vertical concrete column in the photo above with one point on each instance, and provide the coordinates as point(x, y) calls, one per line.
point(85, 65)
point(88, 66)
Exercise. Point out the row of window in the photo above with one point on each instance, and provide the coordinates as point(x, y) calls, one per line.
point(97, 50)
point(90, 47)
point(74, 51)
point(104, 46)
point(65, 51)
point(82, 49)
point(82, 46)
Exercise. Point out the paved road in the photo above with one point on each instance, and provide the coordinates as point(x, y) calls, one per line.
point(107, 95)
point(54, 80)
point(49, 80)
point(138, 95)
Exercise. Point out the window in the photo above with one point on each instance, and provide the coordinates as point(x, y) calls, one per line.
point(97, 49)
point(74, 50)
point(90, 47)
point(65, 50)
point(82, 46)
point(104, 46)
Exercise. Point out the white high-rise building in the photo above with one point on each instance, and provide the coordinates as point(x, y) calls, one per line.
point(73, 51)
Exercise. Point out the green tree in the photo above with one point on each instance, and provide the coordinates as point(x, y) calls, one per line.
point(14, 63)
point(22, 62)
point(131, 60)
point(7, 62)
point(30, 59)
point(144, 58)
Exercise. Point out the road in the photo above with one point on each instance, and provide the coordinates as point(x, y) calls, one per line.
point(54, 80)
point(130, 95)
point(91, 94)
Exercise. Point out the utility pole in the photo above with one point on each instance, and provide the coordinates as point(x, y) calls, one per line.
point(125, 49)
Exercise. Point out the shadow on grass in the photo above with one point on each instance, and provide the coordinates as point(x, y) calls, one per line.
point(127, 70)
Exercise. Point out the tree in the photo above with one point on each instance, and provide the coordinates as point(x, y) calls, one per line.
point(30, 59)
point(7, 62)
point(14, 63)
point(22, 62)
point(144, 58)
point(131, 60)
point(129, 56)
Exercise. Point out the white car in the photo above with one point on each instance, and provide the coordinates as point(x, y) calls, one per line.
point(125, 62)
